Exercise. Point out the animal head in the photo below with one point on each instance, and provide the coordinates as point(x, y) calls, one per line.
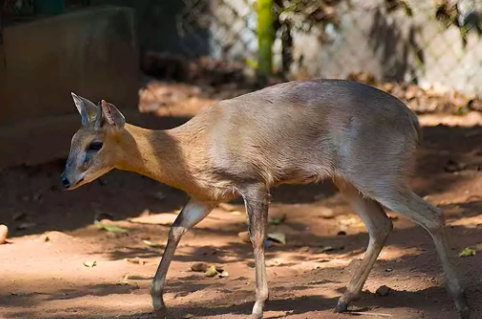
point(95, 146)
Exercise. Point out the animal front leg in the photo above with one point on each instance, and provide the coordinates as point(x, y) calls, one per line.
point(257, 203)
point(190, 215)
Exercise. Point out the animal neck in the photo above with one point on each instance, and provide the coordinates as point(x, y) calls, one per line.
point(158, 154)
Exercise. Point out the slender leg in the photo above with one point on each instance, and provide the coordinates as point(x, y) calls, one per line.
point(379, 226)
point(190, 215)
point(431, 218)
point(256, 199)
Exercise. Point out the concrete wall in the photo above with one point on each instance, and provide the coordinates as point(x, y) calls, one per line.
point(163, 26)
point(92, 53)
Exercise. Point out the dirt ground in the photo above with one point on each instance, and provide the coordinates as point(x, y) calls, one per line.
point(52, 235)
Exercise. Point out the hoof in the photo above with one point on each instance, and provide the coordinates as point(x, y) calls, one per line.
point(462, 306)
point(341, 307)
point(161, 313)
point(464, 312)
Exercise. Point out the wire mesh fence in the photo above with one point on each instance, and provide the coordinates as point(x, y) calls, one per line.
point(230, 25)
point(431, 44)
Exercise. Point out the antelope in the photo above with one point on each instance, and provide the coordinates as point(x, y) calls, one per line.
point(362, 138)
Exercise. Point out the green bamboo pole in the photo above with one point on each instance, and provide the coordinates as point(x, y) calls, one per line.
point(266, 35)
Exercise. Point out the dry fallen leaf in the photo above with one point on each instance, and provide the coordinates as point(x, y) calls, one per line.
point(325, 249)
point(153, 245)
point(188, 316)
point(211, 271)
point(199, 267)
point(90, 264)
point(278, 221)
point(277, 237)
point(123, 280)
point(214, 270)
point(467, 252)
point(112, 229)
point(273, 263)
point(136, 260)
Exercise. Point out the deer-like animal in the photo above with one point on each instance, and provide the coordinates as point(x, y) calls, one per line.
point(299, 132)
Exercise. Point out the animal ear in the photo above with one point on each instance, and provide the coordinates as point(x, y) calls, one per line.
point(112, 116)
point(88, 110)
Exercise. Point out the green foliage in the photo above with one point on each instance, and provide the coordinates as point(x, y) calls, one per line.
point(467, 252)
point(303, 15)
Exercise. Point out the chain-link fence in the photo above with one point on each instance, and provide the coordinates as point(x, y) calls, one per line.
point(230, 25)
point(433, 44)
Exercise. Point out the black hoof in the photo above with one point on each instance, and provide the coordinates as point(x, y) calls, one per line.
point(341, 307)
point(465, 312)
point(462, 306)
point(161, 313)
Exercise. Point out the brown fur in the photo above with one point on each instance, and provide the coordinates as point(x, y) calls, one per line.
point(297, 132)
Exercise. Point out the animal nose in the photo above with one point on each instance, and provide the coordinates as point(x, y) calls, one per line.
point(65, 182)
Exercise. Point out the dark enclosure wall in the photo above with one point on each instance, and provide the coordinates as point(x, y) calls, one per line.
point(161, 26)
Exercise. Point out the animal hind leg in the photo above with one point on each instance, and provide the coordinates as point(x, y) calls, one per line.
point(378, 225)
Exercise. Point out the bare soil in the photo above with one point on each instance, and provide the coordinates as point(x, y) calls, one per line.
point(52, 235)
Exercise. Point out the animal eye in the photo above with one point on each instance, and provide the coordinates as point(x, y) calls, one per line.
point(95, 146)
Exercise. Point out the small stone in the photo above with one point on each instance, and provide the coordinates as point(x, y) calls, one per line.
point(383, 291)
point(3, 234)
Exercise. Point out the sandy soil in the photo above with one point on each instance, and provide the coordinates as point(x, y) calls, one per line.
point(52, 235)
